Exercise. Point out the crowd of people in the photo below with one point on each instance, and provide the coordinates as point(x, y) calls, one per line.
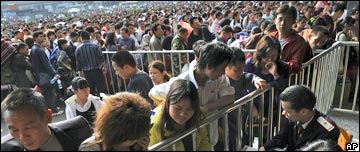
point(181, 94)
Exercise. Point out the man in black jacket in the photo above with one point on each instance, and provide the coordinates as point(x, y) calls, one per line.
point(301, 123)
point(27, 119)
point(41, 64)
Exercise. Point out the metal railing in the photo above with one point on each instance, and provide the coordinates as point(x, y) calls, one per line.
point(320, 74)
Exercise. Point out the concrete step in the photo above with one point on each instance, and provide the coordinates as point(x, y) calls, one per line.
point(347, 119)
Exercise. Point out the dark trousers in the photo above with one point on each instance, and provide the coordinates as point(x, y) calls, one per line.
point(96, 81)
point(49, 94)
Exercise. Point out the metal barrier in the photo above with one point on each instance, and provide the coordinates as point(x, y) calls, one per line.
point(320, 74)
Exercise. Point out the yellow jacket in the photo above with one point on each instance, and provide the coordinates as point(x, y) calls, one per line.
point(202, 137)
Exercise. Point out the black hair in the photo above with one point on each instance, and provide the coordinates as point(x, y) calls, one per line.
point(238, 56)
point(299, 96)
point(61, 42)
point(123, 57)
point(85, 35)
point(214, 54)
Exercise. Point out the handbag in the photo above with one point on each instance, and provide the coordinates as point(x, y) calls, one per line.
point(44, 80)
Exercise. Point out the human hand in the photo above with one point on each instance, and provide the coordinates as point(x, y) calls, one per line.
point(272, 68)
point(143, 142)
point(260, 83)
point(57, 76)
point(262, 148)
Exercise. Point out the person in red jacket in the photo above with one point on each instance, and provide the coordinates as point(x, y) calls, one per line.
point(293, 46)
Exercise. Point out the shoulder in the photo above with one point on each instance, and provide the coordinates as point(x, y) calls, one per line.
point(70, 100)
point(326, 123)
point(86, 146)
point(8, 143)
point(78, 128)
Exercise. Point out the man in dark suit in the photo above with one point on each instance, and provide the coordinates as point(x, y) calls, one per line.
point(301, 123)
point(27, 119)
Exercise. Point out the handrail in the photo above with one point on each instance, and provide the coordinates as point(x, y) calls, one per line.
point(212, 117)
point(335, 45)
point(171, 51)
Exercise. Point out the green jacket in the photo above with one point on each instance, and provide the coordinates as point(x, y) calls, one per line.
point(202, 137)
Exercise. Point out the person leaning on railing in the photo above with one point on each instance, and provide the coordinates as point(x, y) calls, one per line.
point(179, 112)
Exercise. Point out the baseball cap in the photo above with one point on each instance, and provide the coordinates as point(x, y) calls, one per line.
point(79, 83)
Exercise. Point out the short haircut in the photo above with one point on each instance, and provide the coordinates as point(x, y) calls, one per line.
point(299, 96)
point(117, 26)
point(197, 47)
point(123, 57)
point(85, 35)
point(183, 30)
point(49, 33)
point(61, 42)
point(286, 9)
point(29, 41)
point(227, 29)
point(154, 27)
point(214, 54)
point(74, 34)
point(57, 29)
point(25, 97)
point(37, 34)
point(90, 29)
point(320, 28)
point(238, 56)
point(16, 32)
point(193, 18)
point(124, 29)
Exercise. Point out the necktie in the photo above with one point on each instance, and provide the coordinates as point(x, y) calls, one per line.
point(300, 129)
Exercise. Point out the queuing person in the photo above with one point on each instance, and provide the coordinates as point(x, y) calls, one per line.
point(82, 102)
point(243, 83)
point(158, 73)
point(124, 65)
point(293, 46)
point(208, 77)
point(179, 112)
point(28, 120)
point(20, 64)
point(90, 63)
point(42, 64)
point(122, 124)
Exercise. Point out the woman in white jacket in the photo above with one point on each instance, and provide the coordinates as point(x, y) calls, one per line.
point(82, 102)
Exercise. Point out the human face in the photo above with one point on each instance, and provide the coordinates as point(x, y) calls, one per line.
point(181, 111)
point(82, 93)
point(215, 73)
point(196, 24)
point(24, 51)
point(236, 71)
point(317, 40)
point(120, 71)
point(39, 39)
point(124, 35)
point(156, 76)
point(284, 22)
point(271, 56)
point(159, 31)
point(290, 113)
point(26, 126)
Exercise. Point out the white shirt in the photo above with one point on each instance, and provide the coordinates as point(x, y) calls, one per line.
point(72, 106)
point(210, 92)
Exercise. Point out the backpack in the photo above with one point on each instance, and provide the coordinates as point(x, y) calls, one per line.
point(345, 137)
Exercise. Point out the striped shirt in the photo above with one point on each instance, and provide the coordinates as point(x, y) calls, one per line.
point(88, 57)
